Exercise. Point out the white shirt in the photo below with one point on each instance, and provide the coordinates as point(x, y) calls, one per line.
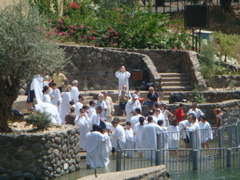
point(122, 79)
point(74, 94)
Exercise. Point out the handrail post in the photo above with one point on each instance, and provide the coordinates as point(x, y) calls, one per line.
point(118, 162)
point(195, 159)
point(229, 157)
point(157, 160)
point(158, 141)
point(220, 144)
point(191, 139)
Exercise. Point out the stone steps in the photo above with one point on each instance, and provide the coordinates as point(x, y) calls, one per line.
point(174, 82)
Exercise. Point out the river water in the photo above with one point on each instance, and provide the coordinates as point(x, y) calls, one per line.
point(230, 173)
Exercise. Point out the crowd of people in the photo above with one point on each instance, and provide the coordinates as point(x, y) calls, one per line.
point(101, 133)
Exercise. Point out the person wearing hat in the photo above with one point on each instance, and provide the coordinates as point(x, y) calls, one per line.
point(131, 105)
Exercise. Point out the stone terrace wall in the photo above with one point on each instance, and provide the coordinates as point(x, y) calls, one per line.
point(223, 81)
point(175, 61)
point(39, 156)
point(210, 96)
point(95, 67)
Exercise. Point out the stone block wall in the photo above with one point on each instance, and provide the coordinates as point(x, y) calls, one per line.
point(39, 155)
point(224, 81)
point(210, 96)
point(95, 67)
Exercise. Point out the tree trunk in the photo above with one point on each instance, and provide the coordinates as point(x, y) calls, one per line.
point(9, 88)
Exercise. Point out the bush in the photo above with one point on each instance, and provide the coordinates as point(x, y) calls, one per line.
point(41, 119)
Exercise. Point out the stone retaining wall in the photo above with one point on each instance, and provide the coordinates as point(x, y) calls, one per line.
point(210, 96)
point(150, 173)
point(224, 81)
point(39, 155)
point(95, 67)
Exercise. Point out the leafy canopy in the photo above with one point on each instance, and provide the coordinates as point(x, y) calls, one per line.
point(25, 48)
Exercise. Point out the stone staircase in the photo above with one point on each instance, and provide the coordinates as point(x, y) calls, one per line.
point(174, 82)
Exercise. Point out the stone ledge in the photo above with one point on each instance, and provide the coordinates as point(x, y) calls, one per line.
point(153, 173)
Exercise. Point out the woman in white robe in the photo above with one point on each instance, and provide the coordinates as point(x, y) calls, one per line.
point(83, 122)
point(118, 136)
point(131, 105)
point(103, 104)
point(173, 136)
point(74, 91)
point(206, 132)
point(104, 148)
point(65, 106)
point(37, 86)
point(46, 97)
point(123, 77)
point(56, 97)
point(96, 143)
point(129, 139)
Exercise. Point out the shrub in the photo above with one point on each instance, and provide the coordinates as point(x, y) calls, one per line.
point(40, 119)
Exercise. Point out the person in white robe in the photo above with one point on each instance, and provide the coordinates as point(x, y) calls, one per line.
point(74, 91)
point(79, 104)
point(167, 114)
point(131, 105)
point(159, 115)
point(103, 104)
point(97, 146)
point(185, 135)
point(83, 122)
point(149, 138)
point(173, 136)
point(110, 108)
point(194, 128)
point(46, 97)
point(135, 119)
point(43, 106)
point(92, 109)
point(206, 132)
point(118, 136)
point(155, 119)
point(65, 106)
point(96, 116)
point(123, 78)
point(55, 95)
point(163, 141)
point(130, 142)
point(196, 111)
point(139, 135)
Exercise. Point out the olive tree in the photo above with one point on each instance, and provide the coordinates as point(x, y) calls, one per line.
point(25, 49)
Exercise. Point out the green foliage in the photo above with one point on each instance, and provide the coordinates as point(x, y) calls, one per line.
point(41, 119)
point(119, 23)
point(227, 45)
point(198, 97)
point(24, 47)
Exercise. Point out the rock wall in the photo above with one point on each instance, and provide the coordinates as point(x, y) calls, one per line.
point(95, 67)
point(150, 173)
point(210, 96)
point(224, 81)
point(39, 155)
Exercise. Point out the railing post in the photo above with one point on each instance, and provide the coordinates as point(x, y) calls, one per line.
point(236, 136)
point(158, 141)
point(195, 159)
point(229, 150)
point(220, 144)
point(118, 162)
point(191, 139)
point(157, 159)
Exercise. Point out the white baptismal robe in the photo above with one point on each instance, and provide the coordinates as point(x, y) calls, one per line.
point(65, 106)
point(96, 152)
point(104, 148)
point(56, 98)
point(130, 107)
point(47, 99)
point(196, 135)
point(149, 138)
point(139, 136)
point(91, 111)
point(129, 141)
point(74, 94)
point(84, 127)
point(78, 106)
point(95, 119)
point(122, 79)
point(37, 86)
point(118, 136)
point(205, 131)
point(184, 133)
point(134, 120)
point(173, 136)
